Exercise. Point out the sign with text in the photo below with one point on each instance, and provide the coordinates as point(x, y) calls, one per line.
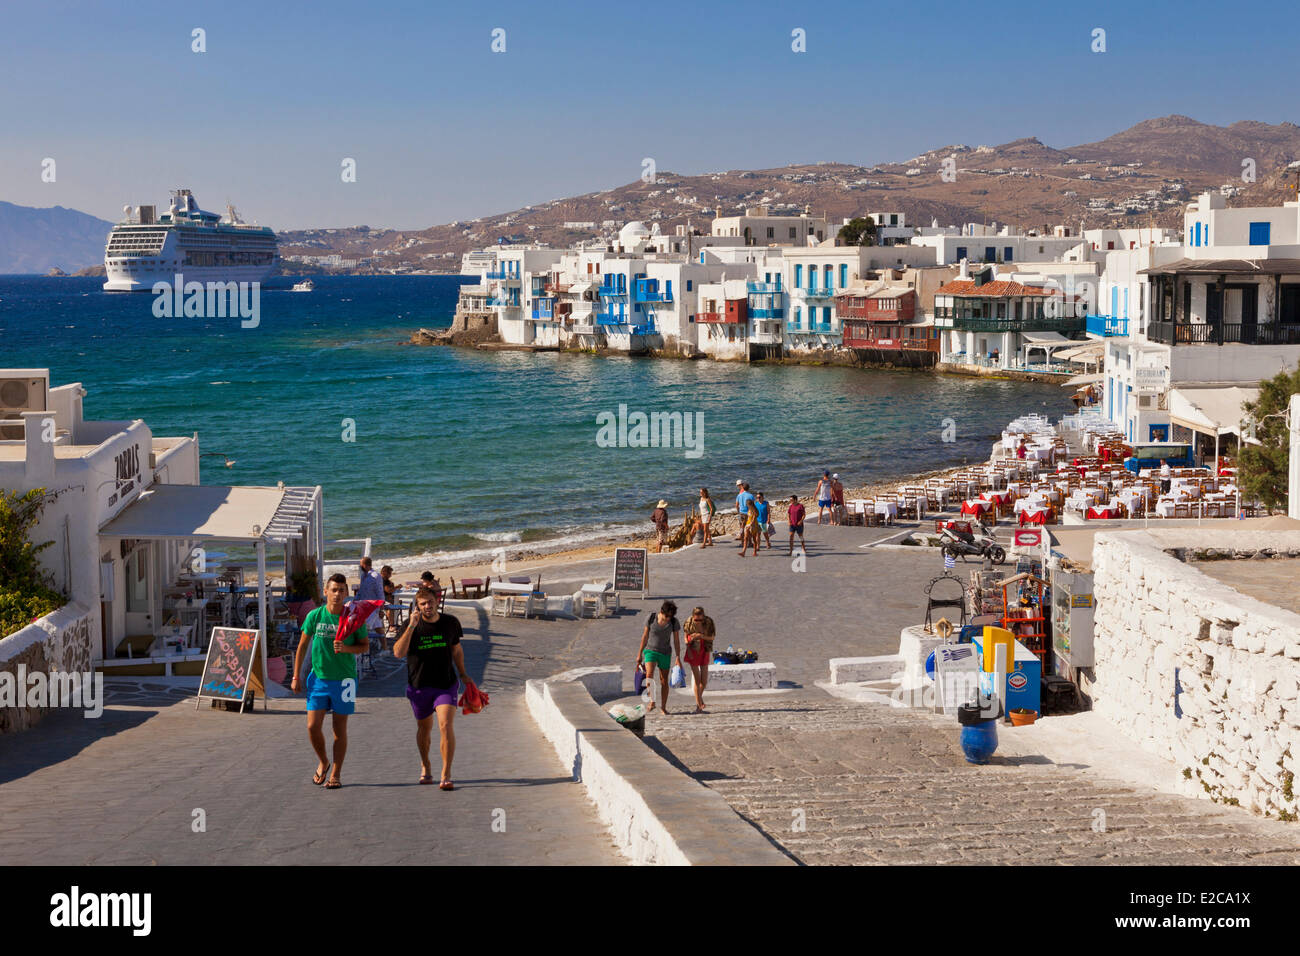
point(631, 570)
point(229, 670)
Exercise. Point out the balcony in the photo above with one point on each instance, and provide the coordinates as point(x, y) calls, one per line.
point(611, 317)
point(816, 328)
point(647, 290)
point(764, 288)
point(646, 328)
point(1106, 325)
point(611, 291)
point(715, 317)
point(501, 273)
point(767, 313)
point(1234, 333)
point(813, 292)
point(499, 303)
point(976, 323)
point(583, 328)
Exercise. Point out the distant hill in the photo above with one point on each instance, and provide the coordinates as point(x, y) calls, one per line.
point(34, 240)
point(1142, 176)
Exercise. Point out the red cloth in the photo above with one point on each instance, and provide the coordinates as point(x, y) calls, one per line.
point(472, 700)
point(973, 507)
point(1100, 513)
point(1037, 517)
point(355, 616)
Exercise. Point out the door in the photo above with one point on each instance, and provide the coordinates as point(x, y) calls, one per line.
point(1249, 311)
point(139, 603)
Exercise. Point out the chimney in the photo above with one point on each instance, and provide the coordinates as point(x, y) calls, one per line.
point(964, 271)
point(38, 466)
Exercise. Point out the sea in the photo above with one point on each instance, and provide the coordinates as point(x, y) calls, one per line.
point(445, 455)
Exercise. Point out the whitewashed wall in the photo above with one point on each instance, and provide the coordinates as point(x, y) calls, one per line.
point(1195, 671)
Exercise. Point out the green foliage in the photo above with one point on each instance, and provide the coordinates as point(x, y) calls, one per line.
point(1262, 468)
point(859, 231)
point(26, 592)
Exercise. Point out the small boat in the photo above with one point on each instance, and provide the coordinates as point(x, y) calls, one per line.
point(304, 286)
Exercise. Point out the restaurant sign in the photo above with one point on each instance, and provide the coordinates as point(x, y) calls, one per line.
point(127, 479)
point(1150, 378)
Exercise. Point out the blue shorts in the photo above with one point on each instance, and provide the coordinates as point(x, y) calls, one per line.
point(826, 503)
point(328, 695)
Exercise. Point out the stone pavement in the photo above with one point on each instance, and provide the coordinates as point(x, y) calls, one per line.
point(836, 782)
point(122, 789)
point(876, 784)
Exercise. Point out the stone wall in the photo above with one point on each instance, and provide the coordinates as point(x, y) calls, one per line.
point(1194, 670)
point(60, 641)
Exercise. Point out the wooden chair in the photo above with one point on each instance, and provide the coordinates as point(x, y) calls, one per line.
point(1182, 509)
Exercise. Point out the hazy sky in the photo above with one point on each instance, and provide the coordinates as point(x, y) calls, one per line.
point(443, 128)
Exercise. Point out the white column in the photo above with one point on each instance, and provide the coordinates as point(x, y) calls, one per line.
point(1293, 482)
point(261, 615)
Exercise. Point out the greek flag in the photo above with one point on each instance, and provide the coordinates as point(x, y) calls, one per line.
point(949, 562)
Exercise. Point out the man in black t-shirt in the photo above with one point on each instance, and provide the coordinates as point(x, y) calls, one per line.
point(434, 658)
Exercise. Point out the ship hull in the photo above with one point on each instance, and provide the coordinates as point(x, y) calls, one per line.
point(143, 277)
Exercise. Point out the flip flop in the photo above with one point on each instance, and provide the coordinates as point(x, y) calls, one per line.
point(446, 785)
point(426, 778)
point(334, 785)
point(319, 778)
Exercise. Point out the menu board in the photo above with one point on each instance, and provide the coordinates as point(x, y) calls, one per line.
point(228, 670)
point(631, 570)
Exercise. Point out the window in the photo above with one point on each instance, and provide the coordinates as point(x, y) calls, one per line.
point(1008, 253)
point(798, 275)
point(794, 234)
point(961, 252)
point(844, 275)
point(1110, 246)
point(689, 285)
point(828, 277)
point(771, 232)
point(990, 253)
point(1259, 233)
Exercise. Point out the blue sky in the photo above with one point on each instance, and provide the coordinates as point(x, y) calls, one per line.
point(442, 128)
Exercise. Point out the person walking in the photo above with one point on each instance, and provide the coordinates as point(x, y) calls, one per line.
point(331, 683)
point(749, 530)
point(825, 497)
point(434, 658)
point(1165, 477)
point(764, 525)
point(837, 500)
point(660, 518)
point(795, 513)
point(700, 633)
point(743, 498)
point(652, 655)
point(707, 510)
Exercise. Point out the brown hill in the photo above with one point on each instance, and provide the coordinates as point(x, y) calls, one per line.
point(1141, 176)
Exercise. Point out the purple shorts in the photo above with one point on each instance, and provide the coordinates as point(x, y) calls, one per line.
point(424, 700)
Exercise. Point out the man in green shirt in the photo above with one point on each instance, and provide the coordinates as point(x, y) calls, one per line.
point(332, 682)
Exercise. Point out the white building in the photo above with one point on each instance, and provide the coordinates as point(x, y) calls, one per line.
point(125, 512)
point(1220, 311)
point(758, 227)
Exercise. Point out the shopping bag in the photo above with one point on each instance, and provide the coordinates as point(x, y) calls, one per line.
point(638, 681)
point(472, 700)
point(677, 676)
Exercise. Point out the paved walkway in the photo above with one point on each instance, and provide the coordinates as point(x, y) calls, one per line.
point(122, 789)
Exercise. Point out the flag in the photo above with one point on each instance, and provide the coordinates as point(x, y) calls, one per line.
point(949, 562)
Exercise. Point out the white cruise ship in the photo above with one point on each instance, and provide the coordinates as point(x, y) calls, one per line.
point(199, 246)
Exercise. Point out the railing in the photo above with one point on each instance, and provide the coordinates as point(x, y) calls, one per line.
point(872, 314)
point(1106, 325)
point(1169, 333)
point(1045, 324)
point(641, 294)
point(764, 288)
point(717, 317)
point(646, 328)
point(814, 328)
point(822, 328)
point(582, 329)
point(767, 313)
point(502, 274)
point(857, 342)
point(812, 292)
point(503, 303)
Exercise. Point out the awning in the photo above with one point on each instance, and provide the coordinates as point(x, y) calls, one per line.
point(1091, 379)
point(1235, 267)
point(196, 512)
point(1210, 411)
point(1046, 338)
point(1084, 353)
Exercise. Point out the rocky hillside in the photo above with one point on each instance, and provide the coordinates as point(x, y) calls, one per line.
point(34, 240)
point(1141, 176)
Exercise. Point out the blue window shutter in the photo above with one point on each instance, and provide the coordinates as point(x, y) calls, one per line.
point(1259, 233)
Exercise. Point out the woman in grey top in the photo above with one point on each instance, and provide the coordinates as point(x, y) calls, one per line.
point(653, 652)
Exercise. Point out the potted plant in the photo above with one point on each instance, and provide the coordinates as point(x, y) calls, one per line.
point(1021, 717)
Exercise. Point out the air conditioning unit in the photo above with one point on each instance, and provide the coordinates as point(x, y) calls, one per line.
point(21, 390)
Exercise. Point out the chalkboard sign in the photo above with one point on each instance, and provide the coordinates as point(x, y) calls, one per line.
point(630, 570)
point(230, 666)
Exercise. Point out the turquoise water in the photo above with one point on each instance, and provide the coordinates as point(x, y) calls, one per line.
point(457, 452)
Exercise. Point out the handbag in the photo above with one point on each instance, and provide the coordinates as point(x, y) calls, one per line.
point(638, 681)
